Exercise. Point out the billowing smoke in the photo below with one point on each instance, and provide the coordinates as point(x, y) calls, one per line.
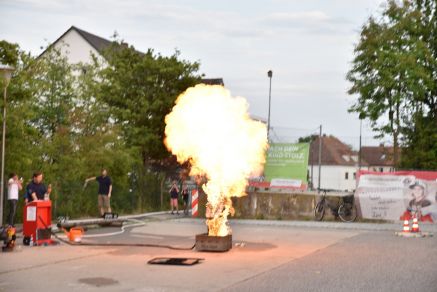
point(213, 130)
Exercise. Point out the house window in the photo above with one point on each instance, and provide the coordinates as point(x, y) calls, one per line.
point(381, 169)
point(346, 175)
point(355, 175)
point(346, 157)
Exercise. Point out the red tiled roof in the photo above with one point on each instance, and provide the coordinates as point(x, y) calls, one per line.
point(334, 152)
point(378, 155)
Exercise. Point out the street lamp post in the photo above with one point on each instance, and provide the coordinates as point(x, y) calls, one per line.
point(5, 74)
point(270, 75)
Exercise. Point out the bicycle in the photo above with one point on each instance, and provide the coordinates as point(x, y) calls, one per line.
point(344, 209)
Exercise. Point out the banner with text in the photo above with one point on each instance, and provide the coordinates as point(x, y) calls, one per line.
point(397, 195)
point(286, 167)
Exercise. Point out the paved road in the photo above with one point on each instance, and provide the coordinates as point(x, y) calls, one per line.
point(274, 257)
point(372, 261)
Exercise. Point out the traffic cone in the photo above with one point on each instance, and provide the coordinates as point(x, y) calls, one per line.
point(406, 226)
point(415, 227)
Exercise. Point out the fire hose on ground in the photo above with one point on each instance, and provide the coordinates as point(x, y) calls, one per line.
point(115, 244)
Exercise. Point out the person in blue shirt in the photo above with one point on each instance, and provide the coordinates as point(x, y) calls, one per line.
point(104, 193)
point(37, 190)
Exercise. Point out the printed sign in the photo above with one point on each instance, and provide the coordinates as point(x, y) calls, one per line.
point(286, 167)
point(282, 182)
point(398, 195)
point(31, 213)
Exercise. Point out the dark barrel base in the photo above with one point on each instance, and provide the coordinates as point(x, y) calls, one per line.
point(204, 242)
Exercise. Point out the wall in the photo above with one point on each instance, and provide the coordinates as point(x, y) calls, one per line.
point(274, 206)
point(333, 177)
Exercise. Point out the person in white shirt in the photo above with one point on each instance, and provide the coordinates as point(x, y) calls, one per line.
point(14, 186)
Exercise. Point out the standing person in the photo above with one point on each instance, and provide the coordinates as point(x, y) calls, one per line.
point(185, 198)
point(174, 195)
point(105, 191)
point(14, 187)
point(36, 190)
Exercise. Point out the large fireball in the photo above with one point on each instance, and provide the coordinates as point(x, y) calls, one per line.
point(213, 130)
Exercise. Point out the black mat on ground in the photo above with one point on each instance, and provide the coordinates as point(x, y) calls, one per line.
point(175, 261)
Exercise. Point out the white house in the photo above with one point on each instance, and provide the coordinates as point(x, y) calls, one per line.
point(379, 158)
point(339, 165)
point(79, 46)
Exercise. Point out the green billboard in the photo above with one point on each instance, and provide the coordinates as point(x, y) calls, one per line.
point(287, 161)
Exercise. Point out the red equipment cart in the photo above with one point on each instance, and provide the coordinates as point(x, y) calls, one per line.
point(37, 221)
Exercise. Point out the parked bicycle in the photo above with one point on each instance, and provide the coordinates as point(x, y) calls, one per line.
point(344, 208)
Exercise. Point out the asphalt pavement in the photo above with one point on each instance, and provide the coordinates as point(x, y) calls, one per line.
point(266, 256)
point(371, 261)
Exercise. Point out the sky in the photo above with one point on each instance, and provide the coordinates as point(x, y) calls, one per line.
point(307, 44)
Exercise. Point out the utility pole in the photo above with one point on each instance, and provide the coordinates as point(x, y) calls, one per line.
point(320, 157)
point(359, 151)
point(270, 75)
point(312, 161)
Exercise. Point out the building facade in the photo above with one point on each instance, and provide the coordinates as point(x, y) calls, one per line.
point(79, 46)
point(379, 158)
point(339, 165)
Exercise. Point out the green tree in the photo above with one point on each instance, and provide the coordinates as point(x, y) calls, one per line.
point(421, 131)
point(307, 139)
point(419, 137)
point(71, 120)
point(20, 134)
point(140, 90)
point(77, 137)
point(57, 125)
point(393, 71)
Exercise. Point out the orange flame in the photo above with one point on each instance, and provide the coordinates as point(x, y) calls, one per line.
point(213, 130)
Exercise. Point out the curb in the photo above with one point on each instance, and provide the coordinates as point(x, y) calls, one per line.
point(317, 224)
